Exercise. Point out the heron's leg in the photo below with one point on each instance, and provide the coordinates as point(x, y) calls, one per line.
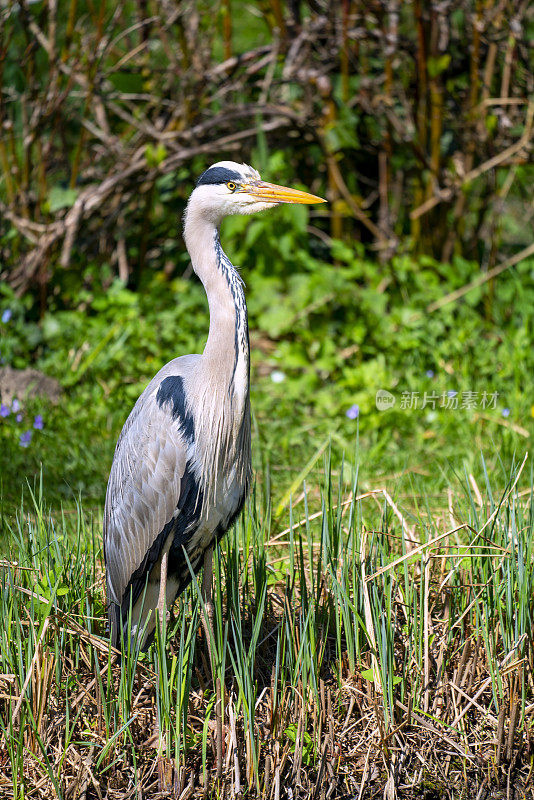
point(207, 581)
point(207, 618)
point(162, 600)
point(165, 765)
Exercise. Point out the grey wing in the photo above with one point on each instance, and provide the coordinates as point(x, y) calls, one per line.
point(143, 492)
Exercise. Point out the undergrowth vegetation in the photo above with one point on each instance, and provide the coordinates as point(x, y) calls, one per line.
point(325, 339)
point(360, 641)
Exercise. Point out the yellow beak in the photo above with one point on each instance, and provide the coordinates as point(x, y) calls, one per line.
point(280, 194)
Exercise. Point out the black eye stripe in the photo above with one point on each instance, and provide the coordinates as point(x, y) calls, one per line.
point(215, 175)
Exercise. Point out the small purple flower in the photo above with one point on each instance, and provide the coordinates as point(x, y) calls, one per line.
point(15, 406)
point(38, 423)
point(430, 373)
point(451, 393)
point(6, 316)
point(25, 438)
point(353, 412)
point(506, 412)
point(19, 417)
point(4, 411)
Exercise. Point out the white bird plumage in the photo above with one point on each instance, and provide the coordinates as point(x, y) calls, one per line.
point(182, 466)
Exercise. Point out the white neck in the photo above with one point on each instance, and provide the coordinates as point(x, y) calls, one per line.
point(226, 354)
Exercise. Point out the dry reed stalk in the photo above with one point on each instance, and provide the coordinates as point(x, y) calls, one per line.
point(29, 674)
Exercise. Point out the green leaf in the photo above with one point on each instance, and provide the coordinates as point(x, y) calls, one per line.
point(59, 197)
point(127, 81)
point(491, 123)
point(155, 155)
point(291, 732)
point(438, 65)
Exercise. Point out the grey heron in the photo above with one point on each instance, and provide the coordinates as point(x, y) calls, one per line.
point(182, 464)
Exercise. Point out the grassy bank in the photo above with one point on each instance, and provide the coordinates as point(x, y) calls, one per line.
point(365, 638)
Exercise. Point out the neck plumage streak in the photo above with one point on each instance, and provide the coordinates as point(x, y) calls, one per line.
point(242, 347)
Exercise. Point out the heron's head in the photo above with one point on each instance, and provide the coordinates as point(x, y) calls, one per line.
point(230, 188)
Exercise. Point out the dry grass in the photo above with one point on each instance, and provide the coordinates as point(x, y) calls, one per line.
point(350, 665)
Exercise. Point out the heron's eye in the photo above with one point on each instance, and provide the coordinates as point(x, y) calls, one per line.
point(232, 186)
